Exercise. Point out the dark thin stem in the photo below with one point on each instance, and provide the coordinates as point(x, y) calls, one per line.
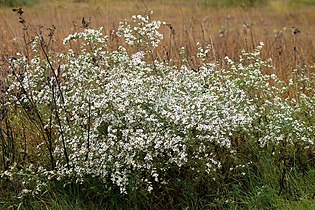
point(11, 143)
point(4, 150)
point(34, 108)
point(55, 102)
point(3, 116)
point(60, 129)
point(89, 128)
point(54, 74)
point(24, 146)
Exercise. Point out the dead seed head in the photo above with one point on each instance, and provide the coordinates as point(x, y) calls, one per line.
point(18, 10)
point(295, 31)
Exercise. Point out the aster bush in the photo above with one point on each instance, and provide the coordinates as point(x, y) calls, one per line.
point(137, 124)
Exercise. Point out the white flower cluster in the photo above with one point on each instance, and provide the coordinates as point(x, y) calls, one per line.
point(279, 117)
point(141, 32)
point(122, 120)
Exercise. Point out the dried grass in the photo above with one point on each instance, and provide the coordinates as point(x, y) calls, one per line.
point(228, 30)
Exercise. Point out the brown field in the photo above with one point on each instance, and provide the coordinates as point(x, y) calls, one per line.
point(228, 30)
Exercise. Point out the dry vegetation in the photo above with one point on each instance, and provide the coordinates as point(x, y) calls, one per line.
point(286, 32)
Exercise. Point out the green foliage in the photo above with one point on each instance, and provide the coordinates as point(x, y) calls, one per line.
point(231, 3)
point(15, 3)
point(301, 2)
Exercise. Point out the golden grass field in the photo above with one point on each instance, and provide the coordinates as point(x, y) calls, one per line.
point(228, 30)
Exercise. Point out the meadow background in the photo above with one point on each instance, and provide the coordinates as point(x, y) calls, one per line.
point(264, 158)
point(229, 26)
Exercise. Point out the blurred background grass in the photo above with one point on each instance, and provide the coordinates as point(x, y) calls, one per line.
point(228, 25)
point(210, 3)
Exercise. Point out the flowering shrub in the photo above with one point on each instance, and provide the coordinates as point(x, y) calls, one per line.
point(113, 115)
